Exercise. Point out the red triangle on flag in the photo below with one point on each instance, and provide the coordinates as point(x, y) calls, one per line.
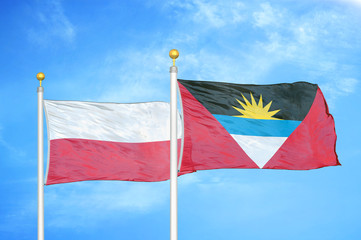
point(312, 144)
point(207, 145)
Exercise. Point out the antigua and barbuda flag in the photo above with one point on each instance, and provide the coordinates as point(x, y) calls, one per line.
point(108, 141)
point(278, 126)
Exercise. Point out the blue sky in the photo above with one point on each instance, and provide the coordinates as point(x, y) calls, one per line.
point(118, 51)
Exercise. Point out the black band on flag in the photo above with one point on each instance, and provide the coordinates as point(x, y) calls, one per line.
point(293, 100)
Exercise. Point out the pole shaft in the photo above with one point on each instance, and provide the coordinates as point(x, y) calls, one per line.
point(40, 165)
point(173, 156)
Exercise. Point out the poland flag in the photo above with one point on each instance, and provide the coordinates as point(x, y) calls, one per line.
point(108, 141)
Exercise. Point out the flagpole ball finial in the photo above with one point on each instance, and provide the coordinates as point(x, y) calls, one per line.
point(40, 76)
point(174, 55)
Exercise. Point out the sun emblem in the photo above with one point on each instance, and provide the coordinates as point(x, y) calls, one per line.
point(254, 110)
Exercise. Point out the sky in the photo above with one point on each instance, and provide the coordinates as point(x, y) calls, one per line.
point(117, 51)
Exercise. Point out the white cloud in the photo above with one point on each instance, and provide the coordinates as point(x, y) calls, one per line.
point(207, 65)
point(218, 15)
point(85, 204)
point(348, 85)
point(353, 2)
point(282, 37)
point(52, 24)
point(338, 87)
point(305, 41)
point(311, 42)
point(215, 14)
point(132, 76)
point(268, 16)
point(344, 86)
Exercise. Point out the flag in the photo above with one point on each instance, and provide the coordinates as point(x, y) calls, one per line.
point(107, 141)
point(278, 126)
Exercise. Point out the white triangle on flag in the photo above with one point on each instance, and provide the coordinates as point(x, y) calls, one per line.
point(259, 149)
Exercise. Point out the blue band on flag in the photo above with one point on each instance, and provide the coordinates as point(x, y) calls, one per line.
point(257, 127)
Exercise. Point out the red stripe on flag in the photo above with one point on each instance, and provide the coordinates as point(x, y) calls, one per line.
point(207, 145)
point(73, 160)
point(312, 144)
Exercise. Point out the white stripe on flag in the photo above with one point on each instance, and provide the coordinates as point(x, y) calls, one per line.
point(132, 123)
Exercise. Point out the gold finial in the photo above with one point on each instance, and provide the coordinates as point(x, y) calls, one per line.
point(173, 54)
point(40, 76)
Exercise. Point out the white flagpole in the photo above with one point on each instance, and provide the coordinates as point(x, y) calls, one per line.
point(173, 148)
point(40, 76)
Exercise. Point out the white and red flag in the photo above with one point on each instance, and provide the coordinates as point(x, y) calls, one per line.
point(107, 141)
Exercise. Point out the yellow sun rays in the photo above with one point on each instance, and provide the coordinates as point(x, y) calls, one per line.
point(254, 110)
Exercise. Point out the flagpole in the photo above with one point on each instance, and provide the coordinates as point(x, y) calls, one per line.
point(40, 76)
point(173, 148)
